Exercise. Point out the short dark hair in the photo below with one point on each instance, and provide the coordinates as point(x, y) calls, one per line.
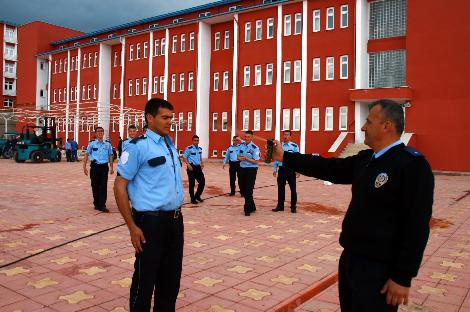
point(154, 104)
point(145, 127)
point(234, 137)
point(393, 112)
point(132, 127)
point(194, 137)
point(97, 128)
point(249, 132)
point(284, 131)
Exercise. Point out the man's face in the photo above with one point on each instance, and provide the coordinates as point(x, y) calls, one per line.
point(161, 123)
point(286, 137)
point(196, 141)
point(132, 133)
point(248, 138)
point(99, 134)
point(235, 141)
point(374, 127)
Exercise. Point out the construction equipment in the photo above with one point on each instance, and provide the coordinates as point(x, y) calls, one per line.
point(38, 143)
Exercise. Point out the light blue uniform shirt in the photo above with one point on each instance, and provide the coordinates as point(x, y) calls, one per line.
point(231, 154)
point(250, 151)
point(193, 154)
point(99, 151)
point(289, 147)
point(125, 143)
point(68, 145)
point(384, 150)
point(154, 175)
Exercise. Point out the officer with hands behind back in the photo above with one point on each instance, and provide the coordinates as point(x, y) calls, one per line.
point(249, 155)
point(192, 157)
point(231, 156)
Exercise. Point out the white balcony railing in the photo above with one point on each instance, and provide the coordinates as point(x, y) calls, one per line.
point(9, 75)
point(9, 92)
point(10, 57)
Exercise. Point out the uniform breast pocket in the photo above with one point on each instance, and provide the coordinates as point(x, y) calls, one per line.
point(95, 149)
point(230, 151)
point(157, 161)
point(193, 153)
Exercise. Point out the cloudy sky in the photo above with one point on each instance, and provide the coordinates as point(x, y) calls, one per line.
point(89, 15)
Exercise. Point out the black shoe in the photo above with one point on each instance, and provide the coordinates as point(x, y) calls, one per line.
point(103, 209)
point(193, 201)
point(199, 199)
point(277, 209)
point(247, 214)
point(293, 210)
point(96, 208)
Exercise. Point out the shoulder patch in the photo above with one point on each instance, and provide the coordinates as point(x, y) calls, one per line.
point(136, 139)
point(413, 151)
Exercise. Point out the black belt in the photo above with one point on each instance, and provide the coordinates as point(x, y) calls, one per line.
point(93, 162)
point(160, 213)
point(234, 161)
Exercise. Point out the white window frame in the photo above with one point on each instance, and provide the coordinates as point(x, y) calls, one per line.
point(216, 41)
point(256, 120)
point(287, 25)
point(286, 72)
point(190, 81)
point(269, 74)
point(146, 49)
point(174, 44)
point(114, 91)
point(155, 85)
point(316, 69)
point(226, 40)
point(268, 119)
point(191, 41)
point(163, 47)
point(173, 82)
point(296, 119)
point(259, 30)
point(137, 86)
point(247, 31)
point(329, 118)
point(88, 92)
point(60, 66)
point(131, 54)
point(330, 14)
point(162, 84)
point(89, 60)
point(94, 92)
point(215, 116)
point(343, 118)
point(246, 76)
point(216, 82)
point(315, 119)
point(225, 81)
point(137, 51)
point(181, 82)
point(343, 62)
point(297, 23)
point(115, 62)
point(270, 28)
point(257, 75)
point(156, 49)
point(224, 121)
point(344, 15)
point(297, 71)
point(286, 119)
point(180, 121)
point(183, 42)
point(172, 125)
point(72, 66)
point(330, 68)
point(190, 121)
point(95, 61)
point(246, 120)
point(144, 86)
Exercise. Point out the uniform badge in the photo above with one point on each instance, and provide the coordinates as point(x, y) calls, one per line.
point(381, 179)
point(125, 158)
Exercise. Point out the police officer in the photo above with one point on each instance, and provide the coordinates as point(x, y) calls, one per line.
point(192, 157)
point(386, 227)
point(132, 132)
point(286, 174)
point(149, 175)
point(144, 129)
point(100, 153)
point(249, 155)
point(231, 156)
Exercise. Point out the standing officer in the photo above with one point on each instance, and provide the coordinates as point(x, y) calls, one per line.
point(132, 132)
point(286, 174)
point(231, 156)
point(248, 156)
point(386, 227)
point(149, 175)
point(144, 129)
point(192, 157)
point(100, 153)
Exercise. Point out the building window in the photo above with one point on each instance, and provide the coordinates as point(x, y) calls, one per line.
point(330, 18)
point(296, 119)
point(175, 43)
point(60, 95)
point(130, 87)
point(227, 40)
point(246, 76)
point(137, 87)
point(155, 84)
point(144, 86)
point(315, 119)
point(131, 54)
point(180, 121)
point(269, 74)
point(225, 83)
point(115, 62)
point(156, 47)
point(297, 71)
point(7, 103)
point(183, 43)
point(247, 32)
point(257, 75)
point(191, 41)
point(146, 49)
point(172, 126)
point(316, 69)
point(387, 19)
point(137, 52)
point(72, 67)
point(89, 60)
point(343, 67)
point(55, 96)
point(269, 119)
point(216, 41)
point(173, 82)
point(60, 66)
point(344, 16)
point(77, 64)
point(216, 81)
point(298, 24)
point(286, 119)
point(214, 121)
point(88, 92)
point(270, 28)
point(287, 25)
point(114, 91)
point(8, 86)
point(9, 68)
point(329, 119)
point(246, 120)
point(65, 65)
point(330, 68)
point(259, 30)
point(316, 21)
point(95, 61)
point(163, 50)
point(387, 69)
point(343, 118)
point(94, 92)
point(287, 72)
point(162, 84)
point(256, 120)
point(84, 92)
point(181, 82)
point(190, 120)
point(55, 67)
point(190, 81)
point(224, 121)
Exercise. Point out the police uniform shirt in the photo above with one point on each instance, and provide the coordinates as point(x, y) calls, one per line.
point(125, 143)
point(250, 151)
point(154, 174)
point(193, 154)
point(231, 154)
point(99, 151)
point(289, 147)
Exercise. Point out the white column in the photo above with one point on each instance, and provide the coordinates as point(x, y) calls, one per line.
point(203, 85)
point(67, 102)
point(49, 72)
point(121, 88)
point(303, 84)
point(235, 75)
point(277, 128)
point(150, 78)
point(361, 68)
point(104, 85)
point(78, 65)
point(167, 44)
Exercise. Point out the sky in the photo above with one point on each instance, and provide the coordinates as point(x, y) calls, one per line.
point(89, 15)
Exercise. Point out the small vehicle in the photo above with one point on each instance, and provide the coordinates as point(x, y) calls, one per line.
point(38, 143)
point(7, 144)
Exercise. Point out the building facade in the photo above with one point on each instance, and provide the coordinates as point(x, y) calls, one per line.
point(310, 66)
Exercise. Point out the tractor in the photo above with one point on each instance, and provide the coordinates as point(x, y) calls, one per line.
point(38, 143)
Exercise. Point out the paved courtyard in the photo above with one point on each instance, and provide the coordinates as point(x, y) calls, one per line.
point(59, 254)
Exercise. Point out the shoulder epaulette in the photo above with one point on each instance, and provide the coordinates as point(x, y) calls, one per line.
point(413, 151)
point(91, 141)
point(254, 145)
point(136, 139)
point(293, 144)
point(190, 146)
point(200, 148)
